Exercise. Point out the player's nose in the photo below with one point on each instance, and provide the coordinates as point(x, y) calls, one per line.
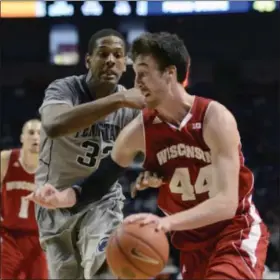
point(110, 60)
point(37, 137)
point(142, 88)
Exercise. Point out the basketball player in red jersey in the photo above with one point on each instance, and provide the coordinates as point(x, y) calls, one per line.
point(193, 143)
point(21, 254)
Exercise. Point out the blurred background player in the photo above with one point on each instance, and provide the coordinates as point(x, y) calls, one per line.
point(21, 253)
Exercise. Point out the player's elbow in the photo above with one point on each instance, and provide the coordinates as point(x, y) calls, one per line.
point(228, 206)
point(231, 209)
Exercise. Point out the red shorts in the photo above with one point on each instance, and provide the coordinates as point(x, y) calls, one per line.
point(238, 255)
point(22, 257)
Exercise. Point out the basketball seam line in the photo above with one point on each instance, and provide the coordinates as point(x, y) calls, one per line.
point(138, 237)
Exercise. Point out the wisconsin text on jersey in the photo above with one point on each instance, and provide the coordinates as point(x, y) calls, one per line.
point(20, 185)
point(108, 131)
point(182, 150)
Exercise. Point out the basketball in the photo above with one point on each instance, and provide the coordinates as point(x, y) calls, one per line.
point(136, 251)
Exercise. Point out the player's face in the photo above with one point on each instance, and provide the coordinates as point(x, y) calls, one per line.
point(30, 137)
point(153, 83)
point(108, 61)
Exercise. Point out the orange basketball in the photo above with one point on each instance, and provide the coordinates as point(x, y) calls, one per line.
point(136, 251)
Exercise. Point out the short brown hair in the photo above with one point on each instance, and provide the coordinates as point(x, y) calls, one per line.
point(167, 49)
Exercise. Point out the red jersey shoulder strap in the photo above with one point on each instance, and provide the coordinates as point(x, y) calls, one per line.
point(14, 156)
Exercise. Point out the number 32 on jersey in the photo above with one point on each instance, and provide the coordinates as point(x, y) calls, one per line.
point(180, 183)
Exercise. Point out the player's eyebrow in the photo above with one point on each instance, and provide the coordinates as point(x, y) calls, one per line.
point(110, 47)
point(142, 64)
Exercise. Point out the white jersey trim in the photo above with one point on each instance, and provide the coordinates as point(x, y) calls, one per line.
point(250, 244)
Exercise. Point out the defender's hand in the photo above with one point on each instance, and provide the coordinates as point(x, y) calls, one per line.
point(145, 180)
point(133, 98)
point(49, 197)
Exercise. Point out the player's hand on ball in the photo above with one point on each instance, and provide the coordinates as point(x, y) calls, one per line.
point(146, 180)
point(49, 197)
point(147, 218)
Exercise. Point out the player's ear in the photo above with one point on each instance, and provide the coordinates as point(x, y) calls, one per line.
point(87, 61)
point(171, 73)
point(21, 138)
point(126, 62)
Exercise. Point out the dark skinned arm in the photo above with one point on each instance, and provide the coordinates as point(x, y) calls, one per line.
point(60, 117)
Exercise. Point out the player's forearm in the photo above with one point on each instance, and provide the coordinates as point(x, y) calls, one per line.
point(95, 186)
point(83, 116)
point(211, 211)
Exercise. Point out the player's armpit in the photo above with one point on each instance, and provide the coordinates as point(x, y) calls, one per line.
point(222, 137)
point(5, 157)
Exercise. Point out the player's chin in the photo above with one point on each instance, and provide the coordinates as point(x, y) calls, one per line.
point(112, 80)
point(151, 103)
point(34, 150)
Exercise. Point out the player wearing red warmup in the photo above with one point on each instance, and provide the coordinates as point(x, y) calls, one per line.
point(21, 253)
point(193, 143)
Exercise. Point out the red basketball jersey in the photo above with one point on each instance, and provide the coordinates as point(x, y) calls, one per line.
point(17, 213)
point(181, 156)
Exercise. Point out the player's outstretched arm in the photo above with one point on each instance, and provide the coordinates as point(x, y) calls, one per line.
point(5, 157)
point(60, 117)
point(129, 142)
point(222, 137)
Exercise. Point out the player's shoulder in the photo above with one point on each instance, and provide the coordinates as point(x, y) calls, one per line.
point(217, 112)
point(71, 88)
point(68, 80)
point(132, 134)
point(6, 154)
point(71, 82)
point(220, 125)
point(5, 161)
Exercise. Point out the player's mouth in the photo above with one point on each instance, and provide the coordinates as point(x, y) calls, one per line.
point(35, 145)
point(109, 74)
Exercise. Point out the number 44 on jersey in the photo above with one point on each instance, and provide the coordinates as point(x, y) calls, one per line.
point(180, 183)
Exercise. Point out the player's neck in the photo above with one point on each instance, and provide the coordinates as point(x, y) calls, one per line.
point(182, 101)
point(29, 161)
point(104, 90)
point(98, 90)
